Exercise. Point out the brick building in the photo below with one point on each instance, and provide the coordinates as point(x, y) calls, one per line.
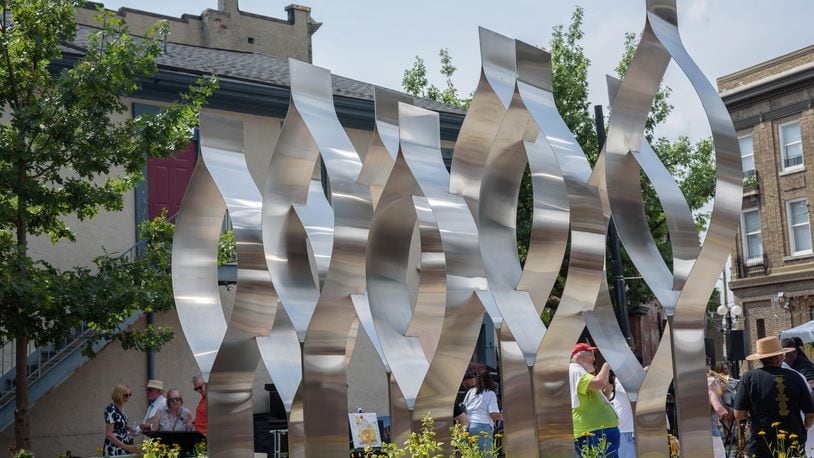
point(773, 263)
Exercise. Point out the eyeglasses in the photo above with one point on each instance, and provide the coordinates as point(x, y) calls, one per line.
point(127, 395)
point(198, 388)
point(175, 400)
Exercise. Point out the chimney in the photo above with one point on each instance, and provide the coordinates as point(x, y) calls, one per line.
point(294, 11)
point(228, 6)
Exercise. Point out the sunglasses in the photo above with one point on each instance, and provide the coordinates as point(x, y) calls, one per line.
point(175, 400)
point(127, 395)
point(198, 388)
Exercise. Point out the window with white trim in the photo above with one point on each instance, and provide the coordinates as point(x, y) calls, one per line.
point(791, 145)
point(752, 239)
point(799, 226)
point(747, 154)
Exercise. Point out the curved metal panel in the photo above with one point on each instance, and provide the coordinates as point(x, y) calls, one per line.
point(491, 98)
point(229, 388)
point(194, 268)
point(465, 280)
point(650, 422)
point(586, 266)
point(385, 142)
point(521, 296)
point(325, 344)
point(686, 299)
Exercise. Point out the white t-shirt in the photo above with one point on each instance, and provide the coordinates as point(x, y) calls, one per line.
point(479, 406)
point(621, 404)
point(575, 372)
point(158, 404)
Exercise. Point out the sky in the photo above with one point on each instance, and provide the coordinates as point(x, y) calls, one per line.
point(375, 41)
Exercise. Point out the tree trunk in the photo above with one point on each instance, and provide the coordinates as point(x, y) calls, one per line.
point(22, 424)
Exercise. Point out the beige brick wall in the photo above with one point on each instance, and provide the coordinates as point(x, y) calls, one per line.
point(227, 29)
point(767, 69)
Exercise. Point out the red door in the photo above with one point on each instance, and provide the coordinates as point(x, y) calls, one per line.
point(167, 180)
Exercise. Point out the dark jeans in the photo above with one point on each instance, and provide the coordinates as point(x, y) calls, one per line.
point(611, 436)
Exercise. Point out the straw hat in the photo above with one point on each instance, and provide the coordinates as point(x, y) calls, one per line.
point(155, 384)
point(768, 347)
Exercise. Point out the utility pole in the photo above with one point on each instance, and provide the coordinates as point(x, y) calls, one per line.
point(618, 278)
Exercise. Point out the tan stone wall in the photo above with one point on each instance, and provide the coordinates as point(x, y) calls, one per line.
point(767, 69)
point(228, 29)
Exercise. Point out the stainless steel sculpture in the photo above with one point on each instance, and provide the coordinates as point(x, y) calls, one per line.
point(685, 291)
point(318, 299)
point(439, 251)
point(521, 293)
point(225, 349)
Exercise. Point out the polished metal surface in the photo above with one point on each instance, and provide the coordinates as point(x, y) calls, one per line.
point(684, 292)
point(489, 102)
point(456, 277)
point(413, 273)
point(521, 294)
point(324, 348)
point(384, 146)
point(587, 257)
point(221, 177)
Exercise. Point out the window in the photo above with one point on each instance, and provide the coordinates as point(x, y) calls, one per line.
point(799, 228)
point(752, 240)
point(760, 324)
point(747, 155)
point(791, 145)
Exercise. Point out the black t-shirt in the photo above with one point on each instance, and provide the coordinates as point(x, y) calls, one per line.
point(804, 366)
point(774, 398)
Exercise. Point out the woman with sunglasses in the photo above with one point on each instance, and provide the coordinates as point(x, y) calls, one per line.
point(174, 417)
point(118, 441)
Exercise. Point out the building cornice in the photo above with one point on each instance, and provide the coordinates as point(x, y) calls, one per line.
point(764, 280)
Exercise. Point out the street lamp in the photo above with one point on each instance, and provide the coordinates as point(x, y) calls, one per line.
point(729, 311)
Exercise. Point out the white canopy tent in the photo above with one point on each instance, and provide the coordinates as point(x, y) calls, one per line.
point(805, 331)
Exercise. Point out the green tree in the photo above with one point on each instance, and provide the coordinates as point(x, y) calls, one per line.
point(62, 154)
point(415, 82)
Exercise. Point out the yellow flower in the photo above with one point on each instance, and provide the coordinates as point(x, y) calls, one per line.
point(761, 433)
point(781, 436)
point(792, 436)
point(777, 423)
point(783, 431)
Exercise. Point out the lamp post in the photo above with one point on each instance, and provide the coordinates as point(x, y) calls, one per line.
point(727, 312)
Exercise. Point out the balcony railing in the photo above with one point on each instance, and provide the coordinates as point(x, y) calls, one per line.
point(792, 161)
point(751, 267)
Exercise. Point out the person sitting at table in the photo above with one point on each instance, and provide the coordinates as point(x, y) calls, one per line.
point(174, 417)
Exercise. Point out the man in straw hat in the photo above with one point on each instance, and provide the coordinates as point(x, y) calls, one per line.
point(156, 402)
point(772, 397)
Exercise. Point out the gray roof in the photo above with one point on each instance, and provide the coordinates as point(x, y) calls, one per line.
point(245, 66)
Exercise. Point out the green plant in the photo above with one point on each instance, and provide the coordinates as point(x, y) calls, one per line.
point(227, 248)
point(786, 446)
point(465, 445)
point(750, 182)
point(22, 453)
point(153, 448)
point(200, 449)
point(424, 445)
point(594, 451)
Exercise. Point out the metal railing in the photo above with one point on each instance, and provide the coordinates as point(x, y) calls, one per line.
point(42, 359)
point(753, 266)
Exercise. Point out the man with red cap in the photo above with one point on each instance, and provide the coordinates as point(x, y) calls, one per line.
point(594, 417)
